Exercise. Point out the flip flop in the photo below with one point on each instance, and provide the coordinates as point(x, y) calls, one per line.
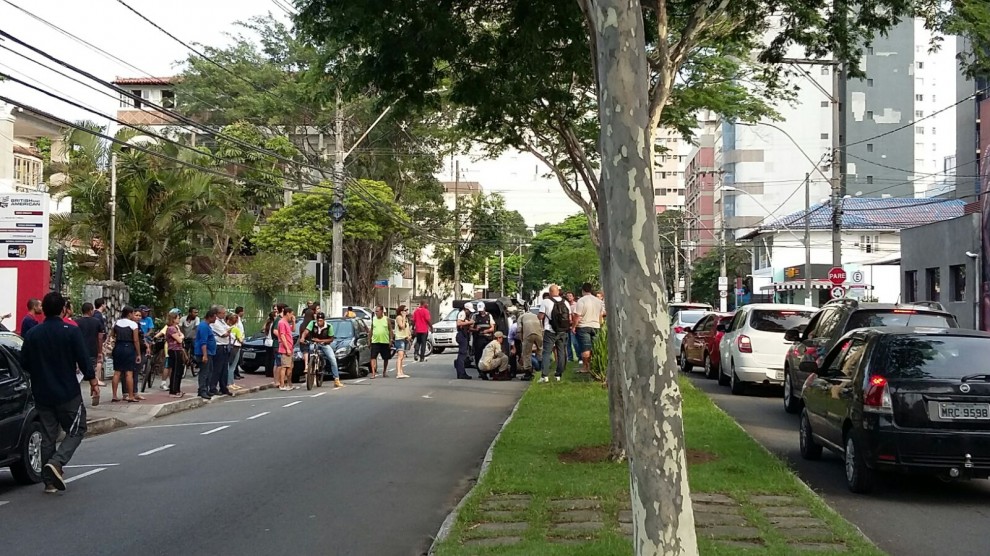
point(402, 376)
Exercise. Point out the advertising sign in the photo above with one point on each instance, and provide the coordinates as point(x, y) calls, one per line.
point(24, 226)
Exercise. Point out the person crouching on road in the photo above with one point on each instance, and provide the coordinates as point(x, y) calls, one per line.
point(493, 359)
point(285, 345)
point(382, 338)
point(321, 333)
point(50, 355)
point(403, 333)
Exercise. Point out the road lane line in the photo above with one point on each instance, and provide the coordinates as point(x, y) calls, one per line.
point(185, 425)
point(91, 465)
point(211, 431)
point(86, 474)
point(266, 399)
point(358, 381)
point(318, 395)
point(158, 449)
point(262, 414)
point(3, 502)
point(290, 404)
point(428, 395)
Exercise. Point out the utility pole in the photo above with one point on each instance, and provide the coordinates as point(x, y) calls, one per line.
point(113, 215)
point(687, 271)
point(723, 300)
point(807, 241)
point(501, 273)
point(677, 268)
point(457, 231)
point(519, 279)
point(838, 159)
point(337, 264)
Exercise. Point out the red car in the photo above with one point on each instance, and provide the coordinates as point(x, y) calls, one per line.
point(700, 345)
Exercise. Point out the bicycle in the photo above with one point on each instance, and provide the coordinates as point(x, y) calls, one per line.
point(314, 367)
point(154, 365)
point(190, 362)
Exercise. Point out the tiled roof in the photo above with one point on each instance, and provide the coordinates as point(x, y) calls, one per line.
point(144, 81)
point(874, 214)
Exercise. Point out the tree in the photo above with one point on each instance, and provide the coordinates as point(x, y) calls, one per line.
point(371, 234)
point(562, 254)
point(670, 232)
point(707, 269)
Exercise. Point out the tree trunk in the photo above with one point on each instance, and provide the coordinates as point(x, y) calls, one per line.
point(663, 522)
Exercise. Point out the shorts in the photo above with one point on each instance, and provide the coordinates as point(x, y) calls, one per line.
point(586, 337)
point(381, 350)
point(286, 360)
point(400, 345)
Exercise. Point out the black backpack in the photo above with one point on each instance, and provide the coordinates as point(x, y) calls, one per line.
point(560, 316)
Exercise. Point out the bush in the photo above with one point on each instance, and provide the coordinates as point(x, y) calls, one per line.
point(599, 355)
point(140, 291)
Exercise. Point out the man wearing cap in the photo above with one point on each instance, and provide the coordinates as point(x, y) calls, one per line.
point(321, 333)
point(464, 324)
point(493, 360)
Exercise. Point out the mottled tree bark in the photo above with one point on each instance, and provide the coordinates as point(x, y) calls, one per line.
point(636, 298)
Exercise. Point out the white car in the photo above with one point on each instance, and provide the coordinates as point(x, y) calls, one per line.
point(680, 324)
point(753, 347)
point(445, 332)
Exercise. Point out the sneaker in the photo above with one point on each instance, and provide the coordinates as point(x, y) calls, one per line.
point(163, 386)
point(337, 384)
point(543, 379)
point(558, 378)
point(285, 388)
point(49, 489)
point(52, 474)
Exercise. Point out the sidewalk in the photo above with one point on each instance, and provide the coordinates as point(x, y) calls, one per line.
point(108, 416)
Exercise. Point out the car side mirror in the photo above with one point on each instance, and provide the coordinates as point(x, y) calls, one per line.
point(792, 335)
point(808, 367)
point(720, 328)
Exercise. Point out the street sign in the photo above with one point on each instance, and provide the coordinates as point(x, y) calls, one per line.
point(838, 292)
point(723, 294)
point(381, 283)
point(723, 284)
point(858, 277)
point(837, 275)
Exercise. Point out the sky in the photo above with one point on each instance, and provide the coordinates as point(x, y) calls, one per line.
point(110, 26)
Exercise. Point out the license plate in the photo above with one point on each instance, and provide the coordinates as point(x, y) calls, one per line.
point(249, 355)
point(964, 411)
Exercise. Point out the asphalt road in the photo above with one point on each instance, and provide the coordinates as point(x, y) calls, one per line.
point(372, 468)
point(904, 515)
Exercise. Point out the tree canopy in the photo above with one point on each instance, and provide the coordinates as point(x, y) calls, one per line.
point(562, 254)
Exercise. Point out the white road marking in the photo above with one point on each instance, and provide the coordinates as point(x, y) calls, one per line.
point(262, 414)
point(290, 404)
point(428, 396)
point(266, 399)
point(359, 381)
point(185, 425)
point(211, 431)
point(3, 502)
point(91, 465)
point(86, 474)
point(158, 449)
point(318, 395)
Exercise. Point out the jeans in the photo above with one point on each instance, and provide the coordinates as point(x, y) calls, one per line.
point(553, 340)
point(218, 376)
point(573, 347)
point(462, 352)
point(205, 375)
point(235, 359)
point(330, 357)
point(69, 417)
point(421, 338)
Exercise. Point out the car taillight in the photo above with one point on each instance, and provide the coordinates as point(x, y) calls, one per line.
point(876, 399)
point(904, 311)
point(744, 344)
point(678, 330)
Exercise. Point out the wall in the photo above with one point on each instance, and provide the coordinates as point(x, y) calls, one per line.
point(941, 245)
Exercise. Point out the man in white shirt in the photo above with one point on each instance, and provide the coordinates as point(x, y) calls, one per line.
point(556, 318)
point(218, 379)
point(587, 320)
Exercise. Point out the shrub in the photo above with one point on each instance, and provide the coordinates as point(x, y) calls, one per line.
point(599, 355)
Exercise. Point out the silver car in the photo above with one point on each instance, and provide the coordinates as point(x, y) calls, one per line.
point(680, 326)
point(444, 333)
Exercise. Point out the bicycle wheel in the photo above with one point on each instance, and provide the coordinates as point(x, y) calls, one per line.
point(149, 373)
point(319, 372)
point(310, 373)
point(191, 366)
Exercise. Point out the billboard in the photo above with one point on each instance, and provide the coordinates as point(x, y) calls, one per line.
point(24, 226)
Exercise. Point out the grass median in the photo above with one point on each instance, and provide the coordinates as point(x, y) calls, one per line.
point(547, 490)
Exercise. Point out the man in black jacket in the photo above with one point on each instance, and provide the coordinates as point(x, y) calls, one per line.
point(51, 354)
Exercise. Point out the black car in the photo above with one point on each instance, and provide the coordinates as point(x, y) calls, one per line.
point(351, 346)
point(837, 317)
point(899, 398)
point(20, 427)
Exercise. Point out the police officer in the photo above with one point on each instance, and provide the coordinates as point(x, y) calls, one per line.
point(465, 322)
point(484, 331)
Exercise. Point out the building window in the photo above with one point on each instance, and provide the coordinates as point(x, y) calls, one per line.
point(27, 171)
point(824, 135)
point(168, 98)
point(933, 131)
point(919, 130)
point(958, 275)
point(869, 180)
point(869, 147)
point(869, 50)
point(825, 104)
point(919, 113)
point(911, 286)
point(919, 98)
point(869, 82)
point(933, 283)
point(825, 70)
point(137, 102)
point(921, 65)
point(869, 114)
point(869, 244)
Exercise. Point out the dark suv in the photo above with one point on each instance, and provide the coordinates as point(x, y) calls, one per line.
point(20, 429)
point(837, 317)
point(897, 398)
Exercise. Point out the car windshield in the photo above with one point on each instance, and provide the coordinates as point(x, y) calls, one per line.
point(342, 328)
point(774, 320)
point(11, 341)
point(452, 315)
point(690, 317)
point(899, 317)
point(676, 309)
point(935, 356)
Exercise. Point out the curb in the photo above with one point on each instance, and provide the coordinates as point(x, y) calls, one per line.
point(103, 425)
point(448, 523)
point(107, 424)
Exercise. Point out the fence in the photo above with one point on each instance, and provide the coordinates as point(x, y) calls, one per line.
point(256, 308)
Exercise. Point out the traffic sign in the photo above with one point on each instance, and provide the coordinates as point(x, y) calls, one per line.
point(723, 294)
point(858, 277)
point(838, 292)
point(837, 275)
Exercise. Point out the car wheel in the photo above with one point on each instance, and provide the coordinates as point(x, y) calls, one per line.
point(792, 403)
point(686, 365)
point(738, 387)
point(438, 351)
point(810, 449)
point(859, 477)
point(250, 368)
point(27, 470)
point(710, 370)
point(723, 379)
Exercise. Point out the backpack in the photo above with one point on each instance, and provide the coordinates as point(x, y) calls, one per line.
point(560, 317)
